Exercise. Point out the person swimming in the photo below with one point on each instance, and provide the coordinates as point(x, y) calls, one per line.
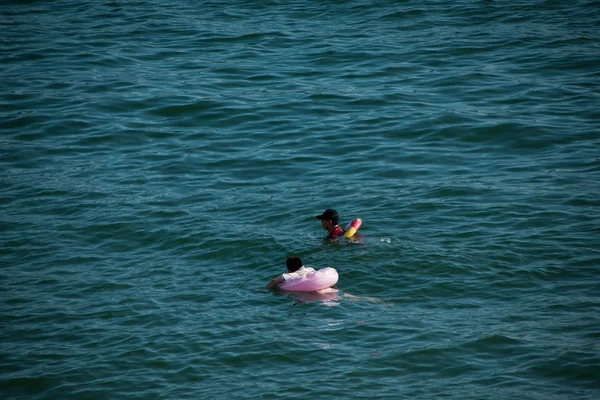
point(329, 221)
point(295, 270)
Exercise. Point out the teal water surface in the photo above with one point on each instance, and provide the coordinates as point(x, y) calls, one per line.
point(161, 159)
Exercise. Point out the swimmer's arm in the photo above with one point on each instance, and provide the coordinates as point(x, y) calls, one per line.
point(274, 283)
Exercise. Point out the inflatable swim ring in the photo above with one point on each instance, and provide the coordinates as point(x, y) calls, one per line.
point(352, 227)
point(318, 280)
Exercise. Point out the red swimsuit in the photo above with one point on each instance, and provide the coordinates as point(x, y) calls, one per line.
point(337, 232)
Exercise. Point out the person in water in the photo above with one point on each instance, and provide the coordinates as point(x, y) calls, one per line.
point(329, 222)
point(295, 270)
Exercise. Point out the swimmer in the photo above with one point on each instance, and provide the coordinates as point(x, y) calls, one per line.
point(329, 222)
point(295, 270)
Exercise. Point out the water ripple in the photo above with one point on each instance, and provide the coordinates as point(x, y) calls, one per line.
point(161, 160)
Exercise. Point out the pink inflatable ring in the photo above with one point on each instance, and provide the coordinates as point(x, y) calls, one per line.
point(321, 279)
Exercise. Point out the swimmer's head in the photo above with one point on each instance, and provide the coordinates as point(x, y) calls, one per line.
point(329, 215)
point(293, 263)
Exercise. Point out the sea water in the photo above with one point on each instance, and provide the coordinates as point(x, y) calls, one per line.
point(161, 159)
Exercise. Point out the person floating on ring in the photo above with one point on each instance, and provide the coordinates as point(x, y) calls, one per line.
point(304, 279)
point(329, 222)
point(295, 270)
